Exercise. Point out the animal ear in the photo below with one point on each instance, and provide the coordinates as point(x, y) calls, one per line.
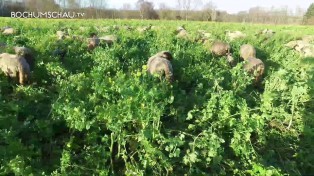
point(167, 55)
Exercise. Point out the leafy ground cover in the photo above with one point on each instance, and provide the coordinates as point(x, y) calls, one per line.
point(99, 113)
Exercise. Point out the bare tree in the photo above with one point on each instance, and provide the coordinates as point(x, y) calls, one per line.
point(222, 16)
point(126, 7)
point(138, 5)
point(242, 16)
point(210, 11)
point(146, 9)
point(277, 15)
point(164, 11)
point(197, 4)
point(185, 6)
point(96, 6)
point(284, 13)
point(299, 11)
point(41, 5)
point(100, 6)
point(257, 14)
point(73, 4)
point(179, 6)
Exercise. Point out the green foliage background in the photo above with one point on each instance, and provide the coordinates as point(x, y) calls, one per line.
point(309, 15)
point(99, 113)
point(310, 11)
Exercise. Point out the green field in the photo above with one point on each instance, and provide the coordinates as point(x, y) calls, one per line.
point(99, 113)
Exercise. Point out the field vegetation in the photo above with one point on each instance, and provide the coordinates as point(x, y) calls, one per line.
point(99, 113)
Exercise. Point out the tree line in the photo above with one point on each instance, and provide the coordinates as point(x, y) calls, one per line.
point(197, 10)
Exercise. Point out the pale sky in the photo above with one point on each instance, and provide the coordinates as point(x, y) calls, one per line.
point(231, 6)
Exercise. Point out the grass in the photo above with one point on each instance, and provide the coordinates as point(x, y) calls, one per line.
point(99, 113)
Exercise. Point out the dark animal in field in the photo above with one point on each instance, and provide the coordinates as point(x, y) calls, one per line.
point(220, 48)
point(160, 64)
point(144, 29)
point(128, 28)
point(181, 32)
point(247, 51)
point(60, 53)
point(308, 38)
point(93, 41)
point(156, 28)
point(203, 37)
point(26, 53)
point(180, 28)
point(78, 37)
point(115, 27)
point(83, 29)
point(231, 60)
point(303, 47)
point(204, 33)
point(235, 35)
point(255, 67)
point(8, 31)
point(109, 39)
point(62, 35)
point(266, 32)
point(15, 66)
point(297, 44)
